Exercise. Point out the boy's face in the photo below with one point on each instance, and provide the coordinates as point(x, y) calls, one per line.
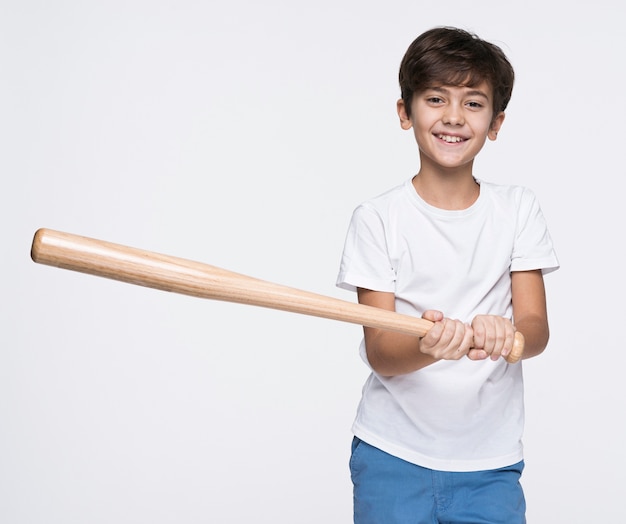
point(451, 123)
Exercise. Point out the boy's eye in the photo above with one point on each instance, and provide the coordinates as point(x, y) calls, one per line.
point(434, 100)
point(475, 105)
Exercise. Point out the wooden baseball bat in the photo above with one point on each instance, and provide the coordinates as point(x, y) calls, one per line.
point(168, 273)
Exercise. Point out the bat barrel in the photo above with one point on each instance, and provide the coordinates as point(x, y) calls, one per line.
point(168, 273)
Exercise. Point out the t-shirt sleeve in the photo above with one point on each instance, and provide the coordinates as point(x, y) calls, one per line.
point(533, 245)
point(365, 261)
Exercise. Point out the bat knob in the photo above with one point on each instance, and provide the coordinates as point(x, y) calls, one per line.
point(518, 349)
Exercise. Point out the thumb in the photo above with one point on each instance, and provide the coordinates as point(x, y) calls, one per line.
point(433, 315)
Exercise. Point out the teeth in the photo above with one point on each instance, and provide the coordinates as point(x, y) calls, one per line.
point(448, 138)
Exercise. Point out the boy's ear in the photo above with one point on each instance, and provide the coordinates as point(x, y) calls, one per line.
point(405, 121)
point(496, 125)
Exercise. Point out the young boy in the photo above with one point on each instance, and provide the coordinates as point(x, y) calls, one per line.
point(439, 426)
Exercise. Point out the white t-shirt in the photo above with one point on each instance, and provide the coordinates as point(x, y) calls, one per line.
point(452, 415)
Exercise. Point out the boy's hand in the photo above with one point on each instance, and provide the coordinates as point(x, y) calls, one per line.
point(493, 337)
point(448, 339)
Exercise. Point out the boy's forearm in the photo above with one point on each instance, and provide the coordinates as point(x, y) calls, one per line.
point(536, 334)
point(392, 354)
point(530, 314)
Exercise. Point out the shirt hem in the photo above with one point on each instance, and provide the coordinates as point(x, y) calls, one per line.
point(440, 464)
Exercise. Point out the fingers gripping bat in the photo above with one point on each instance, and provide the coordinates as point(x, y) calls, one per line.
point(178, 275)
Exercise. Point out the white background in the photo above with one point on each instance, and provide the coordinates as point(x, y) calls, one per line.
point(242, 134)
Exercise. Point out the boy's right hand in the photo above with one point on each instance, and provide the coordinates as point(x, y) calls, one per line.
point(448, 339)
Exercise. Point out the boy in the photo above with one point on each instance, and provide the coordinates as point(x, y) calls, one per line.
point(438, 429)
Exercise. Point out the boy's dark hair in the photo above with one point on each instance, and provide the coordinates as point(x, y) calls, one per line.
point(451, 56)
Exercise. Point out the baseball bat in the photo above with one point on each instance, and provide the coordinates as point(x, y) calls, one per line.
point(179, 275)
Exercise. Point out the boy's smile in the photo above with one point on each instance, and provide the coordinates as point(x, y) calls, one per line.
point(451, 124)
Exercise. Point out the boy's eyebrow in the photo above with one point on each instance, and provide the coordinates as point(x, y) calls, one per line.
point(472, 92)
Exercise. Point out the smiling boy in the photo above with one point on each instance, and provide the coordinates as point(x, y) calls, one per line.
point(439, 426)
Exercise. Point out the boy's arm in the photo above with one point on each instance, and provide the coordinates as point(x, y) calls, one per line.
point(530, 310)
point(390, 353)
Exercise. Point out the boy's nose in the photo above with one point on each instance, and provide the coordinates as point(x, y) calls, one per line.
point(453, 116)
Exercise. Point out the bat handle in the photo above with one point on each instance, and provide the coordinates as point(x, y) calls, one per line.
point(517, 351)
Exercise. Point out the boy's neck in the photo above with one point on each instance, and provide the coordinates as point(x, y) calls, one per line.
point(450, 190)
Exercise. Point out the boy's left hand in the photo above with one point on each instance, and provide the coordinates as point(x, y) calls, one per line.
point(493, 337)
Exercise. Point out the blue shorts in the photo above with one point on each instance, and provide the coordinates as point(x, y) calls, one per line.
point(389, 490)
